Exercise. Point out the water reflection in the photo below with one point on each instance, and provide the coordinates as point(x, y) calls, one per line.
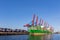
point(46, 37)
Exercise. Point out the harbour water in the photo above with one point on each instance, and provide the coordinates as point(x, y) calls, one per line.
point(28, 37)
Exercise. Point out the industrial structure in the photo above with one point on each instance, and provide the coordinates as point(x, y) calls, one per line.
point(39, 27)
point(36, 28)
point(8, 31)
point(11, 30)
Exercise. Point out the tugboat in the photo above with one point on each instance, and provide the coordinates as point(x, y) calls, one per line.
point(36, 29)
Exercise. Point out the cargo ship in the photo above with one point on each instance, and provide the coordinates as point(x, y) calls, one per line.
point(41, 28)
point(37, 30)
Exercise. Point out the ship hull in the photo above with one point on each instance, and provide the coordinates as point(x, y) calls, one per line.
point(38, 31)
point(37, 34)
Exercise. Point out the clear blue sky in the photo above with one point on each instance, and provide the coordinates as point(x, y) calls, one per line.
point(16, 13)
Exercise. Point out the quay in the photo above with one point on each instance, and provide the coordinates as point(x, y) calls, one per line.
point(7, 31)
point(13, 33)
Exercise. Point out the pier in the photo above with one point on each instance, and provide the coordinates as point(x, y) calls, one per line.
point(7, 31)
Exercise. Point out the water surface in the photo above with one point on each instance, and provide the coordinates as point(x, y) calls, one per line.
point(28, 37)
